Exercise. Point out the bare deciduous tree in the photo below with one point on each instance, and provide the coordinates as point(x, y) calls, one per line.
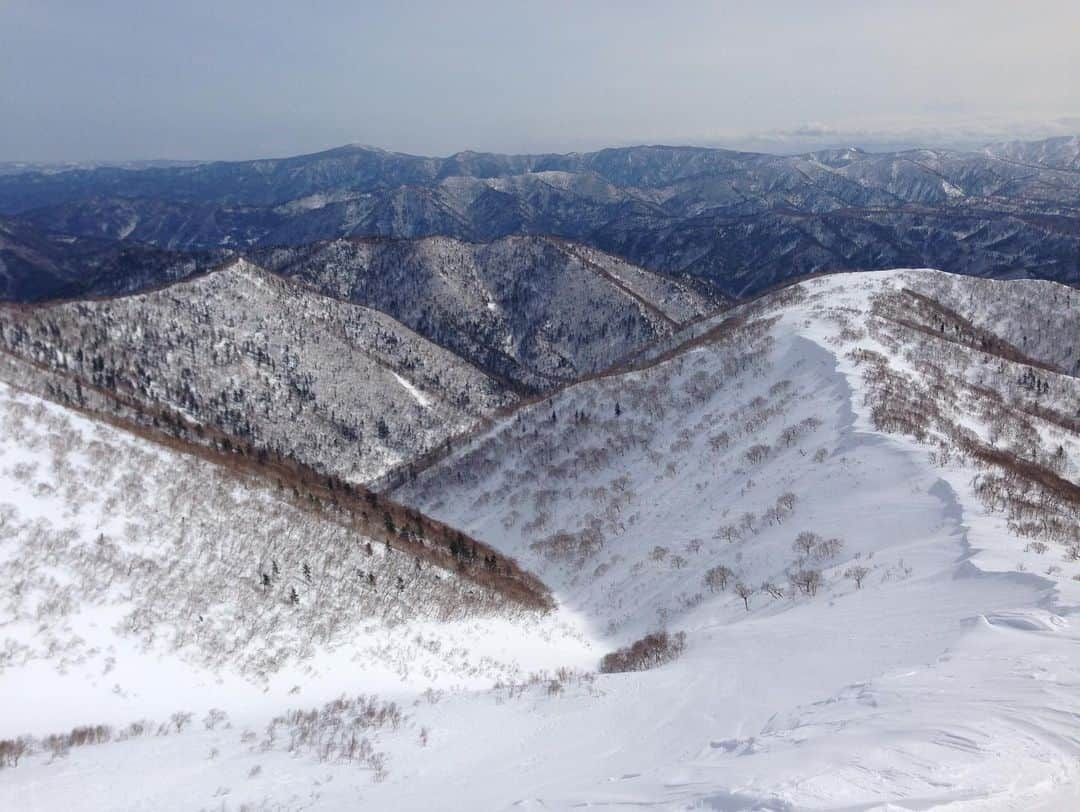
point(828, 549)
point(805, 542)
point(857, 573)
point(716, 579)
point(808, 581)
point(745, 592)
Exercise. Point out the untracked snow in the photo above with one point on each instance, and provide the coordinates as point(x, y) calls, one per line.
point(931, 664)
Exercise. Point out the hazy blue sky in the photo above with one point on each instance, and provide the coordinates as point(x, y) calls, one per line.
point(120, 79)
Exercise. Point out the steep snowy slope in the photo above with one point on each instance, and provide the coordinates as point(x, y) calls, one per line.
point(658, 450)
point(1040, 319)
point(858, 504)
point(138, 582)
point(899, 507)
point(534, 310)
point(269, 362)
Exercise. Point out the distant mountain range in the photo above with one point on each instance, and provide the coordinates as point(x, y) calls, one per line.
point(37, 265)
point(739, 221)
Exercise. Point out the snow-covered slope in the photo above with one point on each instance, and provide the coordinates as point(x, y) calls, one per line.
point(778, 420)
point(338, 386)
point(534, 310)
point(141, 583)
point(1040, 319)
point(857, 502)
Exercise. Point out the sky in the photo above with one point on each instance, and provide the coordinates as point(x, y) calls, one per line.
point(113, 80)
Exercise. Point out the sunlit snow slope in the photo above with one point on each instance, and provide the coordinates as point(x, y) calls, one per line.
point(153, 591)
point(949, 677)
point(855, 498)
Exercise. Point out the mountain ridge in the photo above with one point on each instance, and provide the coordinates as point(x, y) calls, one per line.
point(842, 505)
point(742, 221)
point(285, 371)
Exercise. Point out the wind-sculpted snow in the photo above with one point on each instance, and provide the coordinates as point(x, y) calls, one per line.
point(267, 362)
point(836, 526)
point(800, 491)
point(535, 311)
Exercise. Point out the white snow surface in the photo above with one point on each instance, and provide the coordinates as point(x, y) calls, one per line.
point(422, 399)
point(950, 679)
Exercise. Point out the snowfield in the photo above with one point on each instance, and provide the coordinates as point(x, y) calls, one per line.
point(877, 614)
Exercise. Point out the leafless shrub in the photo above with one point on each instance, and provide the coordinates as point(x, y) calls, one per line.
point(793, 434)
point(805, 543)
point(807, 581)
point(780, 387)
point(214, 717)
point(681, 444)
point(757, 453)
point(180, 720)
point(651, 651)
point(745, 592)
point(717, 578)
point(575, 547)
point(58, 744)
point(720, 441)
point(747, 523)
point(136, 729)
point(335, 732)
point(537, 523)
point(857, 573)
point(770, 589)
point(11, 750)
point(728, 532)
point(828, 549)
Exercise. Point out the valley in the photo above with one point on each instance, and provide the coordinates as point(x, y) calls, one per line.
point(851, 503)
point(535, 407)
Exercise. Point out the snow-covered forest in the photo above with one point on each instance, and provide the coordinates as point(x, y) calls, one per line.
point(820, 549)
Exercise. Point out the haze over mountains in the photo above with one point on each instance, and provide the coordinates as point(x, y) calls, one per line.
point(35, 265)
point(739, 221)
